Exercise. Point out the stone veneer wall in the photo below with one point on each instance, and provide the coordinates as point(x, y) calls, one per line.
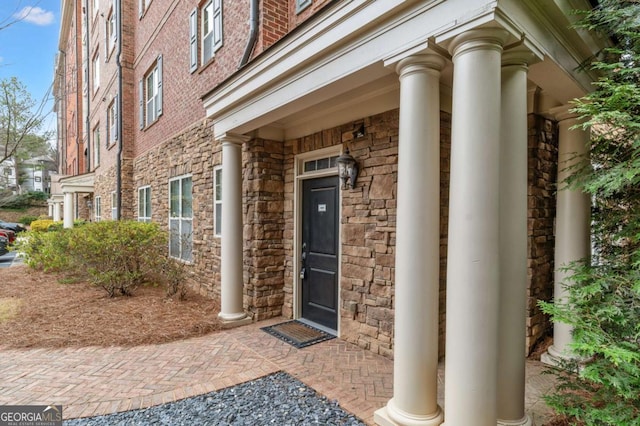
point(367, 228)
point(263, 206)
point(193, 152)
point(105, 184)
point(542, 176)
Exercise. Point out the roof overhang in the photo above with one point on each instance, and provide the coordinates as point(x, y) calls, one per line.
point(341, 66)
point(77, 184)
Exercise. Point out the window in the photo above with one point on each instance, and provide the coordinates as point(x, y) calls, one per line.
point(321, 164)
point(96, 7)
point(112, 123)
point(302, 5)
point(97, 201)
point(144, 204)
point(193, 40)
point(211, 29)
point(150, 92)
point(114, 205)
point(217, 200)
point(95, 70)
point(111, 32)
point(180, 218)
point(143, 5)
point(96, 146)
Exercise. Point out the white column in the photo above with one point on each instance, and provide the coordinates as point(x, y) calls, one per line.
point(473, 258)
point(513, 240)
point(56, 211)
point(415, 366)
point(50, 205)
point(573, 219)
point(231, 292)
point(68, 210)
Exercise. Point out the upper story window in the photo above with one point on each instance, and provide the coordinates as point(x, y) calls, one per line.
point(111, 32)
point(211, 29)
point(96, 7)
point(143, 5)
point(96, 146)
point(95, 71)
point(112, 122)
point(150, 89)
point(302, 5)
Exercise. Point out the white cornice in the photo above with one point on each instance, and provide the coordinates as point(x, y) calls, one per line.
point(65, 23)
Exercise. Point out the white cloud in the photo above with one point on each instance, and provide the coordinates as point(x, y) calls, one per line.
point(35, 15)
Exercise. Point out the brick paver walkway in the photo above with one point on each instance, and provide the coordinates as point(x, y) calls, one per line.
point(92, 381)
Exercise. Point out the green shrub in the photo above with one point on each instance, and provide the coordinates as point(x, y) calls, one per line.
point(46, 250)
point(26, 220)
point(118, 255)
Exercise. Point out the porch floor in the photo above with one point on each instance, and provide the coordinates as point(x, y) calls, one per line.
point(94, 381)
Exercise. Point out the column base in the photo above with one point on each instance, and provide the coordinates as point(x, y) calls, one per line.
point(233, 320)
point(554, 357)
point(393, 416)
point(526, 421)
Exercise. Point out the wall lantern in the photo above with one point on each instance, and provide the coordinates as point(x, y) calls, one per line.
point(347, 170)
point(89, 203)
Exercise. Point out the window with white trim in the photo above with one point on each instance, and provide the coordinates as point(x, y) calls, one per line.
point(302, 5)
point(150, 92)
point(112, 123)
point(97, 203)
point(217, 200)
point(96, 146)
point(211, 27)
point(144, 204)
point(114, 205)
point(143, 5)
point(111, 32)
point(180, 218)
point(95, 70)
point(96, 7)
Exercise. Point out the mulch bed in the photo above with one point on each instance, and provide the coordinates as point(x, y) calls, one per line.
point(54, 314)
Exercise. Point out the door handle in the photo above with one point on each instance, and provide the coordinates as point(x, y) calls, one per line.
point(302, 273)
point(304, 252)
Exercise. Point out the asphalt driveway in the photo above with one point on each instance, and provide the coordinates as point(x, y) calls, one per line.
point(10, 259)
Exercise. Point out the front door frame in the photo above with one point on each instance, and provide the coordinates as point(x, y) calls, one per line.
point(301, 176)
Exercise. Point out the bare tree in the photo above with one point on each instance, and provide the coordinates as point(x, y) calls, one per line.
point(21, 117)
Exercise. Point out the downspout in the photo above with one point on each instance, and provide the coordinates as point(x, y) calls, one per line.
point(87, 97)
point(78, 119)
point(119, 109)
point(253, 33)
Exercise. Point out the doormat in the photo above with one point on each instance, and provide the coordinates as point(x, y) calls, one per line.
point(297, 334)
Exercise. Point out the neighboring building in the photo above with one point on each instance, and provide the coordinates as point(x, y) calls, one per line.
point(224, 122)
point(32, 174)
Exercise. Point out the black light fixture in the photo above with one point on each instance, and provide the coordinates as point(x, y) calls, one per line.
point(347, 170)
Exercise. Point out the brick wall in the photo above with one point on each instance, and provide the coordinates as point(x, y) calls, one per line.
point(542, 176)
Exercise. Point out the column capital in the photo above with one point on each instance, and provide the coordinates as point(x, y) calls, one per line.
point(429, 63)
point(233, 138)
point(519, 57)
point(482, 38)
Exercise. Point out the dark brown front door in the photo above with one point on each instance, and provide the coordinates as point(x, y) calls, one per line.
point(319, 258)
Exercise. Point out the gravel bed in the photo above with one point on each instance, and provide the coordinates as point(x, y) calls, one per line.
point(277, 399)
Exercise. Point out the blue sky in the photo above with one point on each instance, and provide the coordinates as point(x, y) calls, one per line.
point(28, 47)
